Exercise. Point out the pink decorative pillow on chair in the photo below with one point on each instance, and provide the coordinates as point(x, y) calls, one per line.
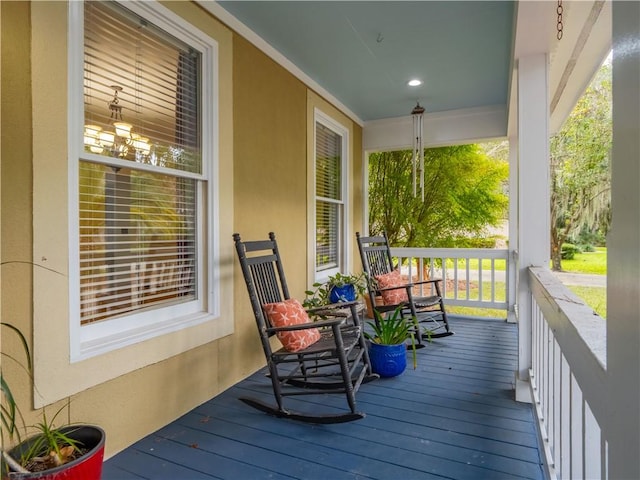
point(287, 313)
point(392, 279)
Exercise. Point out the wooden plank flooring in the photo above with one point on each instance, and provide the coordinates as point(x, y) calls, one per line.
point(453, 417)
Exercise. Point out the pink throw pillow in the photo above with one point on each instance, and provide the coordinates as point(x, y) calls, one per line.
point(287, 313)
point(392, 279)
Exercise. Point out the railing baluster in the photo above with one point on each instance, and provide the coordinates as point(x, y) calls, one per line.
point(455, 278)
point(577, 431)
point(480, 295)
point(592, 441)
point(565, 434)
point(443, 274)
point(493, 279)
point(468, 277)
point(554, 436)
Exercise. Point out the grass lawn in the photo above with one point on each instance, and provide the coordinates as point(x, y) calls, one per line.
point(498, 264)
point(595, 297)
point(588, 262)
point(593, 263)
point(478, 312)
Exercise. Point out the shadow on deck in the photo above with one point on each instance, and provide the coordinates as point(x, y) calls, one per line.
point(453, 417)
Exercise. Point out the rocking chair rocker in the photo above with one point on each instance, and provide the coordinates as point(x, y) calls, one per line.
point(334, 361)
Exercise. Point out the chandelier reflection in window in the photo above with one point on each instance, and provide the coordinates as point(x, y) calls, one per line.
point(119, 142)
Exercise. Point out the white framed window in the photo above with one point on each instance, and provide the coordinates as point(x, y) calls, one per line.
point(331, 200)
point(143, 191)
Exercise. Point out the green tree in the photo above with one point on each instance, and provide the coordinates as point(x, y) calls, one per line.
point(579, 169)
point(464, 194)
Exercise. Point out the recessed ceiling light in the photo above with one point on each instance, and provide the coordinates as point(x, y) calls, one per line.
point(414, 82)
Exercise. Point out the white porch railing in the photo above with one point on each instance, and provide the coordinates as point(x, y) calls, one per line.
point(475, 277)
point(568, 378)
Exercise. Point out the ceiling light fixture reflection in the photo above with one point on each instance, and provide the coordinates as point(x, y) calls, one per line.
point(121, 140)
point(414, 82)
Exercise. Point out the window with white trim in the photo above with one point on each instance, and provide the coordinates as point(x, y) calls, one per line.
point(330, 195)
point(144, 177)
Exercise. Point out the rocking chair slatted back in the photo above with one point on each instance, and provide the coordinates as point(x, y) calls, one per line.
point(378, 256)
point(263, 274)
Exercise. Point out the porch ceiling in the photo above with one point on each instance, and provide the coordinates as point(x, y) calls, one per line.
point(365, 52)
point(362, 53)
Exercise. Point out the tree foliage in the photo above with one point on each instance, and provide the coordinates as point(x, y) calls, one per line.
point(464, 195)
point(580, 167)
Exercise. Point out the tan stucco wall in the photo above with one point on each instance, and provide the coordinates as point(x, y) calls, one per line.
point(16, 204)
point(357, 192)
point(263, 168)
point(270, 152)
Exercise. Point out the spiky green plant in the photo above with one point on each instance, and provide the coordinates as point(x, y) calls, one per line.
point(394, 330)
point(50, 441)
point(9, 410)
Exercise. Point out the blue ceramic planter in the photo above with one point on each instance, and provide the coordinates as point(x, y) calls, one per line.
point(388, 360)
point(346, 293)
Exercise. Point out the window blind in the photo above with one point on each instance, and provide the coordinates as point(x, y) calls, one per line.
point(328, 197)
point(328, 163)
point(137, 241)
point(158, 75)
point(138, 227)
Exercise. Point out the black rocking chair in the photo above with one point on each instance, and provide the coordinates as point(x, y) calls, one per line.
point(337, 363)
point(428, 310)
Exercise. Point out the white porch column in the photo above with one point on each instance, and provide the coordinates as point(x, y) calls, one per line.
point(533, 196)
point(512, 280)
point(623, 268)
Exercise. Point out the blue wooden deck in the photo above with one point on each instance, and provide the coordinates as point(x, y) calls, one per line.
point(454, 417)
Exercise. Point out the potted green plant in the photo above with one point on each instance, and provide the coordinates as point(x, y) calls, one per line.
point(341, 287)
point(71, 452)
point(387, 347)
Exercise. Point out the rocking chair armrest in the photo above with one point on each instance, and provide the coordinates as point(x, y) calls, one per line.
point(422, 282)
point(395, 287)
point(409, 285)
point(332, 306)
point(305, 326)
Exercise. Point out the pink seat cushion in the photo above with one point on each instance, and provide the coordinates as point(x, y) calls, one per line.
point(287, 313)
point(392, 279)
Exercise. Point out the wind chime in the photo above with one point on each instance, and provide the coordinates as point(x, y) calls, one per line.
point(418, 149)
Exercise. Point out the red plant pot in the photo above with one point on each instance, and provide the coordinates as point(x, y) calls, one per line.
point(86, 467)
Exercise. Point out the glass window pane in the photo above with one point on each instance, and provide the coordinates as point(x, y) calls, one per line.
point(137, 241)
point(328, 163)
point(141, 91)
point(328, 221)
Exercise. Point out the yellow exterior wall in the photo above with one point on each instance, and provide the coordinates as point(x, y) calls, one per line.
point(263, 187)
point(270, 152)
point(357, 193)
point(16, 203)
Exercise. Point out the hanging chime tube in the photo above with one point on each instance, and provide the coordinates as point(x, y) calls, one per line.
point(418, 149)
point(421, 156)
